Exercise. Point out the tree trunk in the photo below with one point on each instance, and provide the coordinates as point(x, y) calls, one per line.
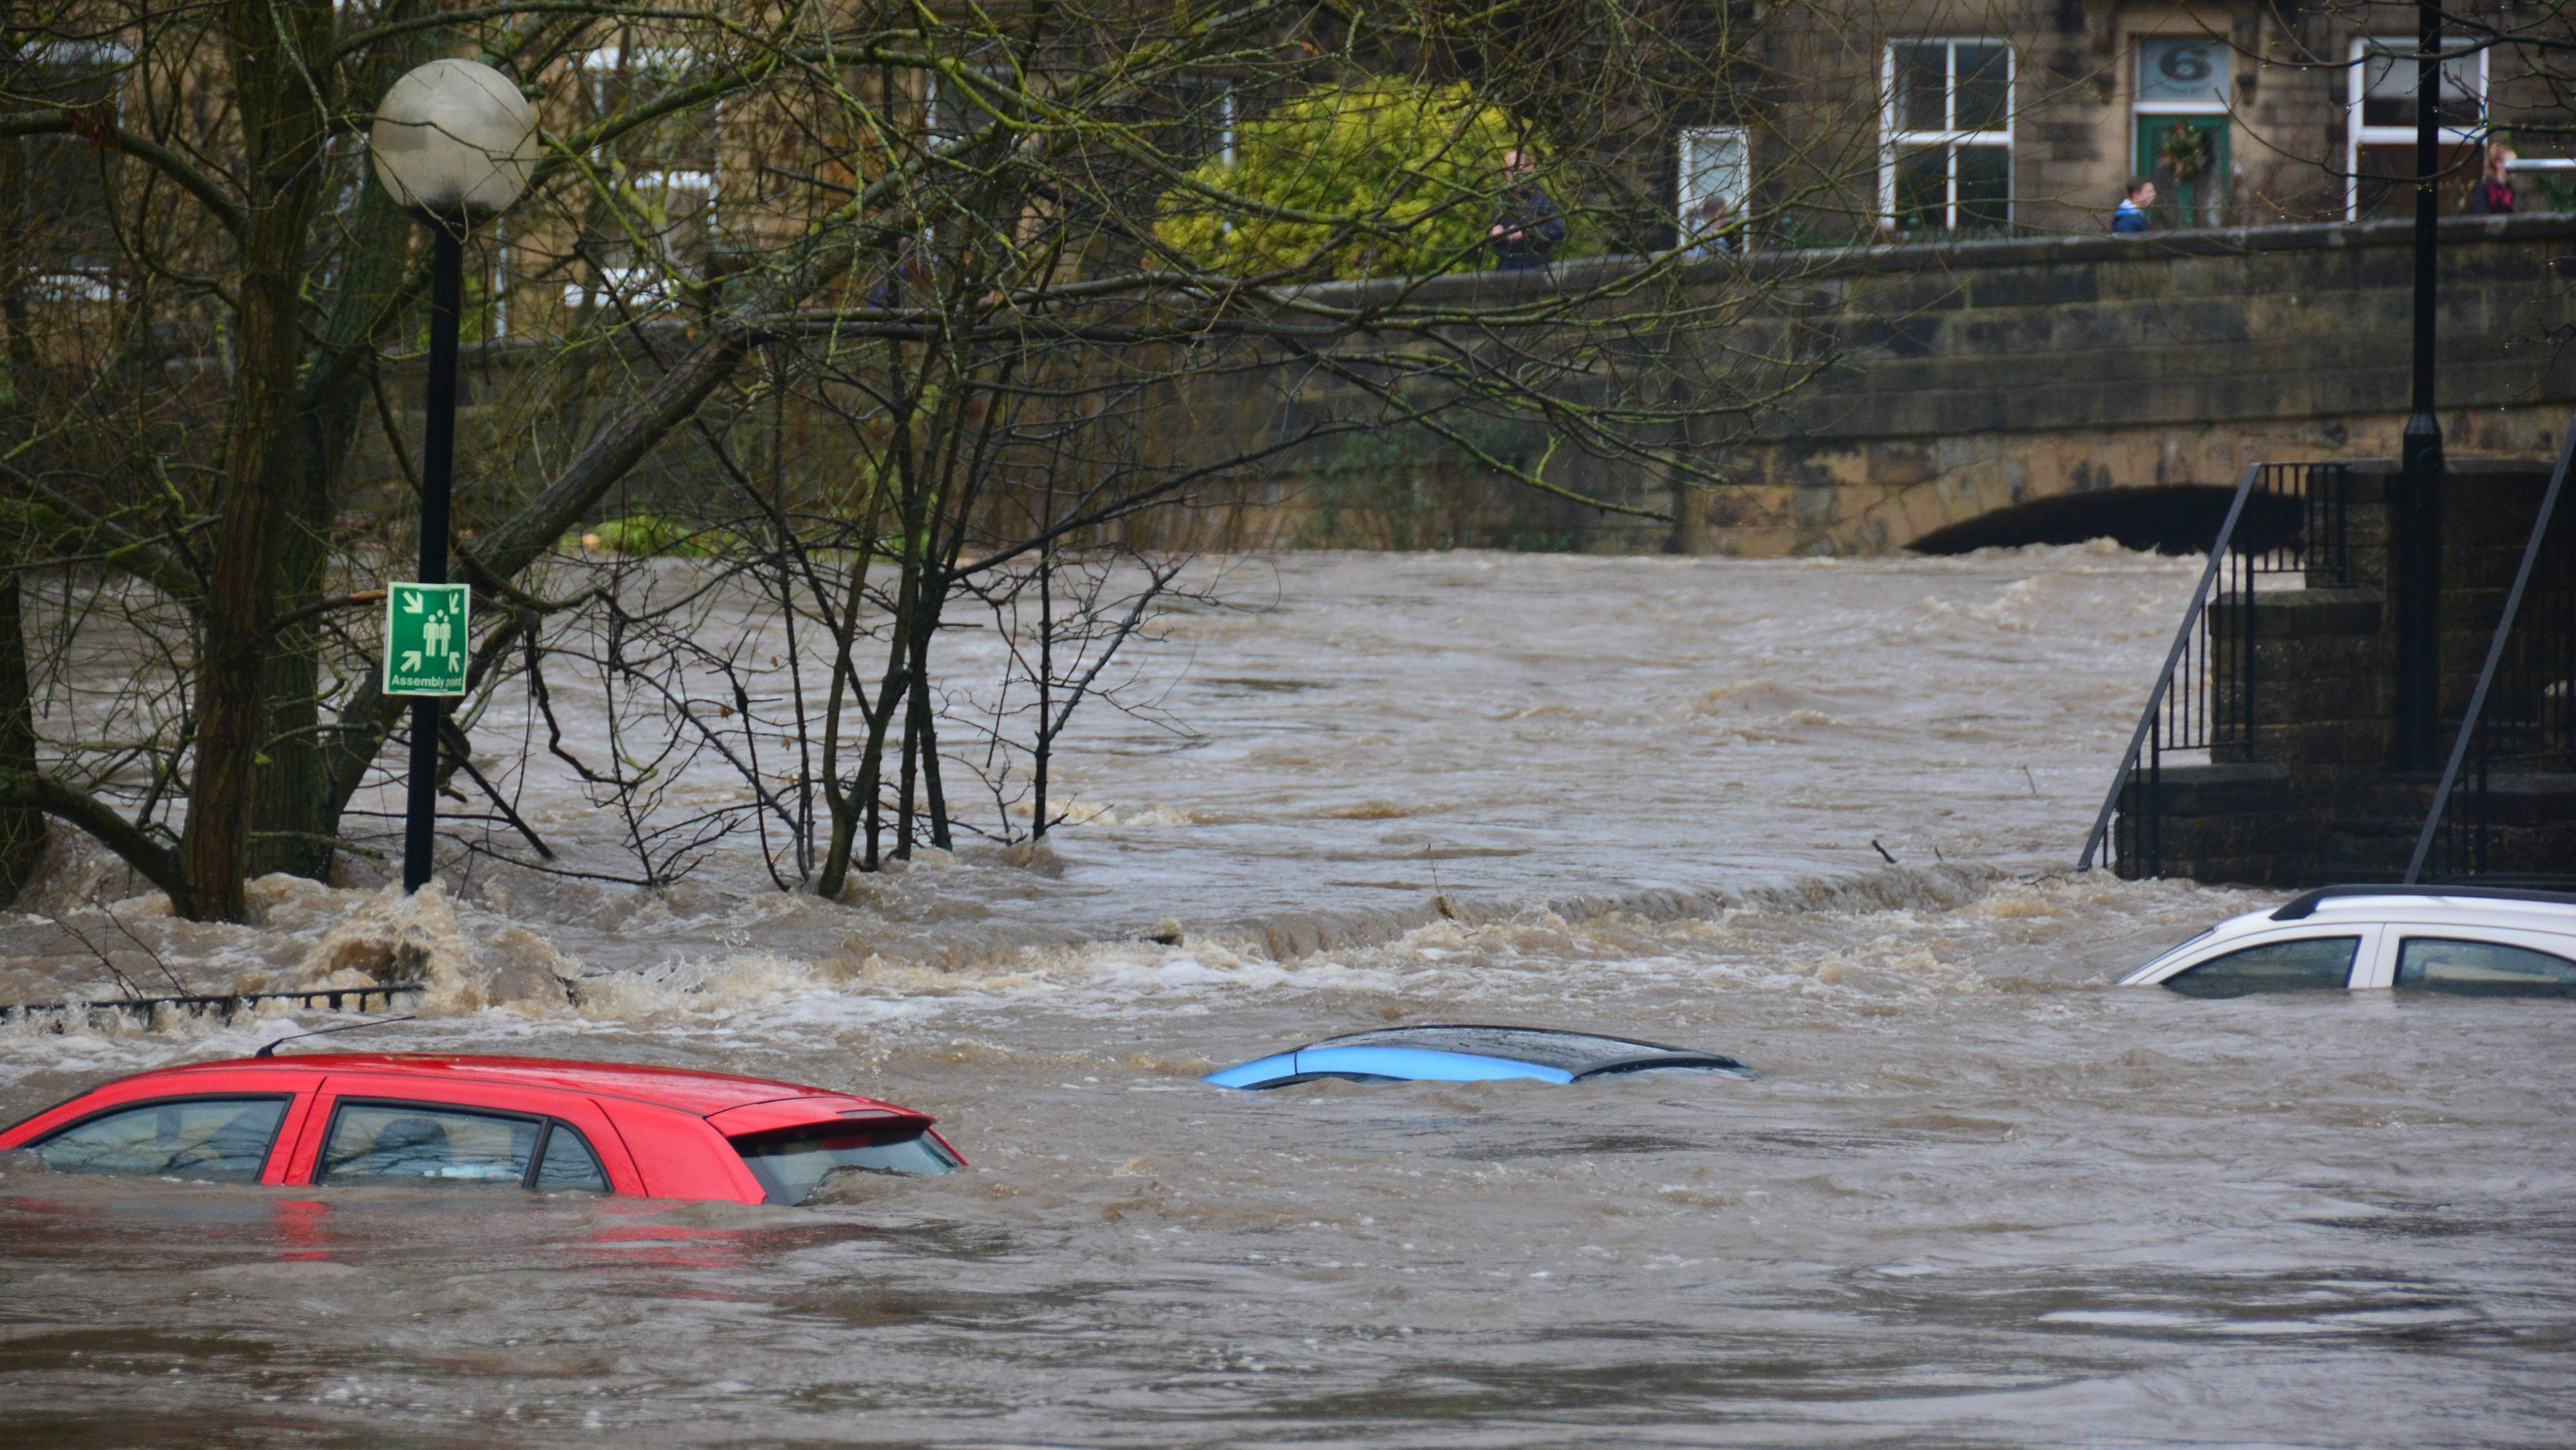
point(295, 817)
point(271, 43)
point(22, 829)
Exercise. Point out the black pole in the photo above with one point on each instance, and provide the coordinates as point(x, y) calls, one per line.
point(437, 465)
point(2417, 512)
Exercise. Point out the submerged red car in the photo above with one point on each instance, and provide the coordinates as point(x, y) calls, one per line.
point(434, 1120)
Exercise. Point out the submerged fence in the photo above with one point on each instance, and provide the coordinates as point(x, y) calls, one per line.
point(62, 1016)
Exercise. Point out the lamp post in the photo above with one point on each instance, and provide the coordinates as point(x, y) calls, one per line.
point(453, 142)
point(2417, 516)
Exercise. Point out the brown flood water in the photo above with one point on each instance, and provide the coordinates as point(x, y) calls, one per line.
point(1977, 1196)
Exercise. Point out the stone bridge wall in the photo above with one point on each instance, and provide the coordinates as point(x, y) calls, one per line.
point(1981, 376)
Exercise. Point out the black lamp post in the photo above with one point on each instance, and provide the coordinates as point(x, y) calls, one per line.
point(2416, 514)
point(453, 142)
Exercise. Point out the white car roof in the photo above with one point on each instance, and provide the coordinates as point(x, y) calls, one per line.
point(2415, 906)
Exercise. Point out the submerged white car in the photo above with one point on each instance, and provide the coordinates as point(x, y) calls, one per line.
point(2480, 941)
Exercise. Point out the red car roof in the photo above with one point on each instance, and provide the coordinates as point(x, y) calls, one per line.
point(703, 1093)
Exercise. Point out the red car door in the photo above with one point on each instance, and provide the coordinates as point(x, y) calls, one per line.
point(362, 1107)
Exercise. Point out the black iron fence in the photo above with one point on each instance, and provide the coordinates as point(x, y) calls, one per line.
point(2286, 519)
point(144, 1011)
point(2520, 723)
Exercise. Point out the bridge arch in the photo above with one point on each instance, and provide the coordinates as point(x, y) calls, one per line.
point(2181, 518)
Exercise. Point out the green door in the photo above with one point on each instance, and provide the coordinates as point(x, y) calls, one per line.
point(2190, 174)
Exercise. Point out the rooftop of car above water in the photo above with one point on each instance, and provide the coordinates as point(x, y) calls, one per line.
point(1470, 1052)
point(2478, 939)
point(2376, 905)
point(688, 1089)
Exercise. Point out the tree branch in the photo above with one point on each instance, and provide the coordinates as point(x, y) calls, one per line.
point(158, 864)
point(75, 121)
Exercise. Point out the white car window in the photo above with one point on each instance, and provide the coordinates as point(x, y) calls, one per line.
point(2301, 964)
point(2481, 968)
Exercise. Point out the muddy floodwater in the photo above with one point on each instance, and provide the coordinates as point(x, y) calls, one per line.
point(1977, 1196)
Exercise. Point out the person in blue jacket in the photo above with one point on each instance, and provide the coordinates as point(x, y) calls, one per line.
point(2132, 214)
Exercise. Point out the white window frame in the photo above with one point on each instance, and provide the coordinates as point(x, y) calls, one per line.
point(600, 65)
point(68, 53)
point(77, 287)
point(1688, 194)
point(2356, 135)
point(1893, 141)
point(648, 284)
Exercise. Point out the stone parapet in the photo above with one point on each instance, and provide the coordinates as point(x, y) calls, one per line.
point(1961, 379)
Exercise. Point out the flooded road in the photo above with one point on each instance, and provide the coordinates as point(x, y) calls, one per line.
point(1976, 1196)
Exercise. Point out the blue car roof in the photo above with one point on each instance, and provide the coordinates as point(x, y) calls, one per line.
point(1468, 1053)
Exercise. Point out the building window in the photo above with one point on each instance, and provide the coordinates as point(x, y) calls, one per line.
point(2379, 165)
point(657, 237)
point(660, 181)
point(1715, 175)
point(62, 181)
point(1945, 163)
point(2179, 126)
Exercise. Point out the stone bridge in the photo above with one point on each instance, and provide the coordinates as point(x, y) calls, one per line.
point(2063, 388)
point(2028, 390)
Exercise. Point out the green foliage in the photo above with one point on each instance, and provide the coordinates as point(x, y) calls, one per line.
point(1421, 166)
point(652, 536)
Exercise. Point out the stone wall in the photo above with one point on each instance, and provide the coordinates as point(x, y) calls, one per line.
point(1984, 375)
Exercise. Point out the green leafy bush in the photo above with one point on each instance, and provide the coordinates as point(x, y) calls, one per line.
point(651, 536)
point(1421, 166)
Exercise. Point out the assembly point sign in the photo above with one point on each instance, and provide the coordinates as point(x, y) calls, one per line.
point(425, 639)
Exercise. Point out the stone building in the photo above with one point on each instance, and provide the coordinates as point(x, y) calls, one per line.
point(2028, 116)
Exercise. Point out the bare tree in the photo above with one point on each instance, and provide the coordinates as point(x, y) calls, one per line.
point(880, 303)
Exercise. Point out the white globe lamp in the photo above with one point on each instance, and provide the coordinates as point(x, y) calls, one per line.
point(454, 140)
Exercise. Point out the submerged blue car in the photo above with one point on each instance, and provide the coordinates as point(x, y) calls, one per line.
point(1468, 1053)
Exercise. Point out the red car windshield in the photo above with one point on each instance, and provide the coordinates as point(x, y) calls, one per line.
point(792, 1164)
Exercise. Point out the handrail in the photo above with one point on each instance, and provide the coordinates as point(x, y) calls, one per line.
point(225, 1003)
point(2495, 657)
point(2173, 658)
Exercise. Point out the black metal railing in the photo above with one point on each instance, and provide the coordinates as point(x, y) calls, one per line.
point(63, 1016)
point(2286, 518)
point(2521, 717)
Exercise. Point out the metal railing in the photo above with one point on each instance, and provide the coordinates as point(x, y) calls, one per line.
point(2286, 518)
point(61, 1016)
point(2521, 718)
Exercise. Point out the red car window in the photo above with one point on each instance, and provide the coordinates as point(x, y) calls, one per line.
point(411, 1144)
point(593, 1156)
point(567, 1165)
point(220, 1140)
point(427, 1145)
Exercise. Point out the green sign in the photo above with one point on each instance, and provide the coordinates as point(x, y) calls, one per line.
point(425, 639)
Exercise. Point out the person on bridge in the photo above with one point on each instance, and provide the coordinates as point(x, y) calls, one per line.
point(1709, 236)
point(1528, 226)
point(2492, 193)
point(2132, 213)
